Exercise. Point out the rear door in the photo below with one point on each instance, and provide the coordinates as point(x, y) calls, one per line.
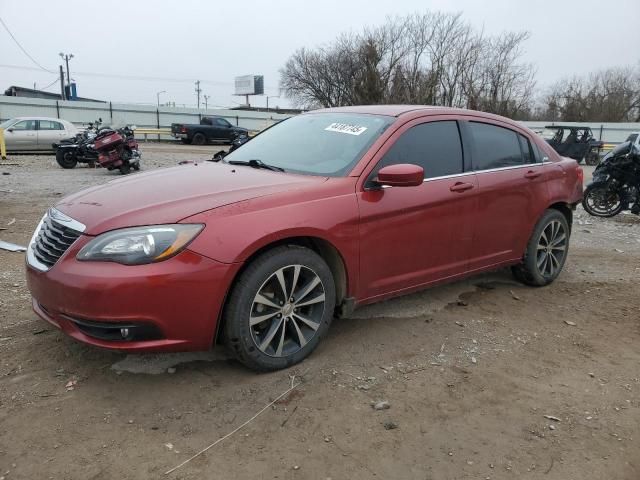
point(512, 191)
point(22, 135)
point(413, 236)
point(49, 132)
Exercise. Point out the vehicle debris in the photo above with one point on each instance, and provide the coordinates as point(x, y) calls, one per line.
point(11, 247)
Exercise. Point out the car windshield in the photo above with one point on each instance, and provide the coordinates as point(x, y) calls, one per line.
point(632, 137)
point(327, 144)
point(6, 123)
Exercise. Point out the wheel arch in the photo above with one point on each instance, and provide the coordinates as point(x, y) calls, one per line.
point(566, 210)
point(327, 251)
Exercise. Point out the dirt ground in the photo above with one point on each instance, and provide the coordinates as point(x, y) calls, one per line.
point(485, 379)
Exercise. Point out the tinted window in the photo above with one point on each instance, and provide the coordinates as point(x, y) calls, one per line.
point(223, 123)
point(435, 146)
point(495, 147)
point(25, 125)
point(527, 151)
point(50, 125)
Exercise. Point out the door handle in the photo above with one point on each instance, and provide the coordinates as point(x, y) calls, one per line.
point(531, 174)
point(461, 187)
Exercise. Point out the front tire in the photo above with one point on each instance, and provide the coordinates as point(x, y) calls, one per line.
point(546, 251)
point(280, 308)
point(66, 159)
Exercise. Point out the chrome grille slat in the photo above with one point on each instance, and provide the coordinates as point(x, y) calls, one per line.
point(52, 240)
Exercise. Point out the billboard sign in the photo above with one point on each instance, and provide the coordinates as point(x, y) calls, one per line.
point(249, 85)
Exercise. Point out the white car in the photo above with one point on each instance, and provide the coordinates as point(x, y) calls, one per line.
point(35, 133)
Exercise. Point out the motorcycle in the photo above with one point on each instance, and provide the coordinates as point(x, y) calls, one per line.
point(616, 183)
point(117, 149)
point(236, 143)
point(79, 149)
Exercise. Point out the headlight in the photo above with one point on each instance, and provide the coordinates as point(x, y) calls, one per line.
point(140, 245)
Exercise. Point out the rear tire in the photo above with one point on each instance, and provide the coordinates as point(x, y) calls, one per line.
point(199, 139)
point(66, 159)
point(546, 251)
point(263, 328)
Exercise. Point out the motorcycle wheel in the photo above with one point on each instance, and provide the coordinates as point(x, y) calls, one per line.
point(600, 201)
point(66, 159)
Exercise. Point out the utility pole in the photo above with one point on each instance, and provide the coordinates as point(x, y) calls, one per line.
point(62, 95)
point(206, 101)
point(198, 92)
point(66, 58)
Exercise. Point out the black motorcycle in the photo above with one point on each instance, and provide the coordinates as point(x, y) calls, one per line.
point(616, 183)
point(79, 149)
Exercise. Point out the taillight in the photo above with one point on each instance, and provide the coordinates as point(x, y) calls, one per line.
point(580, 173)
point(183, 130)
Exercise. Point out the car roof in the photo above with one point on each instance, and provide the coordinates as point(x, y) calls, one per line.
point(41, 118)
point(409, 110)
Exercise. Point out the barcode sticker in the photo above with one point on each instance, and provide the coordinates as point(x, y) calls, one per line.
point(346, 128)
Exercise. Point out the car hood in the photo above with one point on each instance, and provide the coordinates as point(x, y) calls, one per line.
point(172, 194)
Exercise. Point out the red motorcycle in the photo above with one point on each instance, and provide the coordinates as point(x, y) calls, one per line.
point(118, 149)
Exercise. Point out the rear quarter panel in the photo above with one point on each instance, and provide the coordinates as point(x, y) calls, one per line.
point(564, 177)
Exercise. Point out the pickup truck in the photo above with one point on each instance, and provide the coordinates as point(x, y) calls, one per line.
point(211, 129)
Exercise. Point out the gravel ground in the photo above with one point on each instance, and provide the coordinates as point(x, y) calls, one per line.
point(484, 379)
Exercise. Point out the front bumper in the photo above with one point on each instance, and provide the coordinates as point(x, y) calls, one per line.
point(177, 302)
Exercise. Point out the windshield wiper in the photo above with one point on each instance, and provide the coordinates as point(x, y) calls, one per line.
point(256, 163)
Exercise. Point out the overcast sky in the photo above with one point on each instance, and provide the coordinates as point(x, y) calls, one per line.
point(170, 44)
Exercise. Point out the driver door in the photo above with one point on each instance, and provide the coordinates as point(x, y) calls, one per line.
point(413, 236)
point(22, 135)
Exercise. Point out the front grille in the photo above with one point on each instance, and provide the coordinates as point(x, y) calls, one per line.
point(52, 241)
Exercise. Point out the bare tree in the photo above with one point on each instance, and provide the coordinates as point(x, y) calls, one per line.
point(611, 95)
point(432, 58)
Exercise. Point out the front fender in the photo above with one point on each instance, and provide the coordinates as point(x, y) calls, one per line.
point(235, 232)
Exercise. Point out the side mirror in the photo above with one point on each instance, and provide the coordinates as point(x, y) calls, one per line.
point(401, 175)
point(10, 129)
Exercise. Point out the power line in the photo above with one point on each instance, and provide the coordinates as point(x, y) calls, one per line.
point(136, 77)
point(21, 48)
point(51, 84)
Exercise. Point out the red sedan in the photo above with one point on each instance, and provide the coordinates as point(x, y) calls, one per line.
point(319, 214)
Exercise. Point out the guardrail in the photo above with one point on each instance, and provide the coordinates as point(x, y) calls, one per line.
point(167, 132)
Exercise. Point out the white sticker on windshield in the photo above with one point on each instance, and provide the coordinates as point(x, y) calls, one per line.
point(345, 128)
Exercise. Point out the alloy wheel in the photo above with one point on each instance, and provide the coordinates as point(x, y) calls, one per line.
point(287, 310)
point(552, 248)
